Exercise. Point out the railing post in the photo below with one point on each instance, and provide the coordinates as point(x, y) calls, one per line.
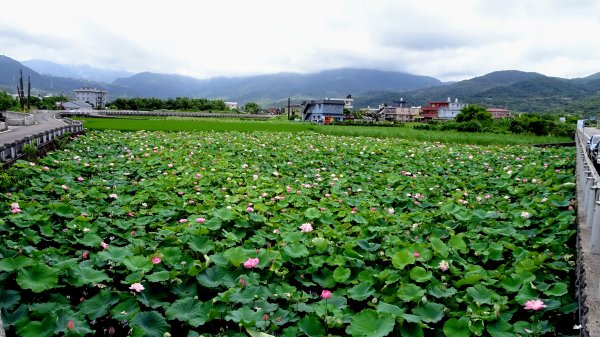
point(590, 209)
point(587, 184)
point(595, 240)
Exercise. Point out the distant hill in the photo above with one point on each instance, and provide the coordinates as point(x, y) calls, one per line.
point(515, 90)
point(80, 71)
point(44, 84)
point(277, 87)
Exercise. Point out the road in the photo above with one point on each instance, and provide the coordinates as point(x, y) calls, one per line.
point(44, 121)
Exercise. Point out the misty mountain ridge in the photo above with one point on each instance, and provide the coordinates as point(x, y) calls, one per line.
point(78, 71)
point(513, 89)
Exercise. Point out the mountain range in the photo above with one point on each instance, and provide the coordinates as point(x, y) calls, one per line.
point(513, 89)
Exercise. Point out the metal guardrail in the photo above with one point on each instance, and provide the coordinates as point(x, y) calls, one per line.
point(104, 113)
point(589, 180)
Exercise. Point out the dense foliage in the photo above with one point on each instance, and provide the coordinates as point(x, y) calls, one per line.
point(179, 104)
point(195, 233)
point(479, 121)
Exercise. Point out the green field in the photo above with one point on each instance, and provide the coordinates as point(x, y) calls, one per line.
point(196, 124)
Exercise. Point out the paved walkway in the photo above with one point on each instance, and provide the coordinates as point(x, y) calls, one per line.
point(44, 121)
point(590, 265)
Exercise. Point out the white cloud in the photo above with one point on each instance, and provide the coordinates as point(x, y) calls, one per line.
point(450, 40)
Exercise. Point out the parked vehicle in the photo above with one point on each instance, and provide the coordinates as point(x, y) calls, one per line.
point(591, 144)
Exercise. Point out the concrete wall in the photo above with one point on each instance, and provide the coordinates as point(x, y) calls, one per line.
point(18, 118)
point(3, 126)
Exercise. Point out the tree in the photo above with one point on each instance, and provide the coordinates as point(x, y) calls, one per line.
point(252, 107)
point(6, 101)
point(474, 113)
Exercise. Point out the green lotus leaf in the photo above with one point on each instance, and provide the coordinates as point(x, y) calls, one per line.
point(557, 289)
point(237, 255)
point(341, 274)
point(429, 312)
point(201, 244)
point(189, 310)
point(38, 278)
point(481, 294)
point(410, 292)
point(159, 276)
point(245, 316)
point(224, 214)
point(99, 305)
point(361, 291)
point(411, 329)
point(457, 328)
point(402, 259)
point(311, 326)
point(439, 246)
point(419, 274)
point(391, 309)
point(10, 264)
point(499, 328)
point(138, 263)
point(9, 299)
point(149, 324)
point(85, 275)
point(372, 324)
point(126, 309)
point(296, 250)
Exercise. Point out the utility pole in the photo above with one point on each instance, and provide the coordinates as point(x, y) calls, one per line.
point(28, 92)
point(289, 108)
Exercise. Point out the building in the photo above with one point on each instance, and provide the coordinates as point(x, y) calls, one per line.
point(348, 101)
point(400, 112)
point(430, 112)
point(97, 98)
point(75, 106)
point(450, 110)
point(498, 113)
point(326, 111)
point(231, 105)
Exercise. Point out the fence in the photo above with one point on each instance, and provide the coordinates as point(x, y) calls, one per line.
point(11, 152)
point(103, 113)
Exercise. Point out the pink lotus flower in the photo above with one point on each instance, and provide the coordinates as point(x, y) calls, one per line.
point(113, 196)
point(251, 262)
point(133, 233)
point(70, 325)
point(15, 210)
point(249, 209)
point(416, 254)
point(64, 187)
point(14, 205)
point(137, 287)
point(525, 215)
point(200, 220)
point(325, 294)
point(306, 227)
point(85, 255)
point(487, 196)
point(243, 282)
point(443, 266)
point(79, 178)
point(198, 175)
point(156, 260)
point(535, 305)
point(391, 211)
point(104, 245)
point(182, 220)
point(46, 168)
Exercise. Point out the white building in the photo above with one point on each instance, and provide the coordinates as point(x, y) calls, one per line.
point(231, 105)
point(451, 110)
point(348, 101)
point(97, 98)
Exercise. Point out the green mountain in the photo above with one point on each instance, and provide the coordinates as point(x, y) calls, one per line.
point(515, 90)
point(44, 84)
point(266, 89)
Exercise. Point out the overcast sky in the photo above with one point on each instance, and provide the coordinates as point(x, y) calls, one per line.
point(449, 40)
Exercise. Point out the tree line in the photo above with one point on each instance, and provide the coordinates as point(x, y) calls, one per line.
point(178, 104)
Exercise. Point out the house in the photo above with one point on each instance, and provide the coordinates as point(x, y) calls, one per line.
point(97, 98)
point(348, 102)
point(231, 105)
point(451, 109)
point(430, 112)
point(400, 112)
point(498, 113)
point(325, 111)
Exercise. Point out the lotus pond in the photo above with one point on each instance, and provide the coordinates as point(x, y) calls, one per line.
point(258, 234)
